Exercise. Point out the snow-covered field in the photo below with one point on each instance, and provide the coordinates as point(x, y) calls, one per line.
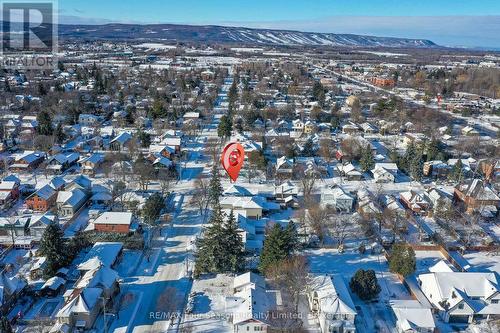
point(371, 315)
point(208, 315)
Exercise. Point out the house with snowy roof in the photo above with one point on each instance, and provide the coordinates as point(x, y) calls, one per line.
point(29, 160)
point(69, 202)
point(338, 198)
point(10, 288)
point(61, 162)
point(119, 143)
point(248, 206)
point(251, 306)
point(349, 171)
point(414, 201)
point(9, 193)
point(461, 297)
point(284, 167)
point(330, 300)
point(43, 199)
point(81, 308)
point(412, 317)
point(89, 164)
point(478, 196)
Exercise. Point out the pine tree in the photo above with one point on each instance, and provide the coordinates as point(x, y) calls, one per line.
point(232, 95)
point(234, 244)
point(433, 150)
point(225, 127)
point(367, 161)
point(53, 247)
point(59, 134)
point(210, 253)
point(152, 208)
point(44, 123)
point(364, 283)
point(215, 187)
point(278, 245)
point(402, 259)
point(456, 173)
point(408, 157)
point(416, 167)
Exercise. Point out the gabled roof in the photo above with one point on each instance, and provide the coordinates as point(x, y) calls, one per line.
point(411, 315)
point(99, 277)
point(84, 302)
point(454, 286)
point(46, 192)
point(249, 278)
point(332, 294)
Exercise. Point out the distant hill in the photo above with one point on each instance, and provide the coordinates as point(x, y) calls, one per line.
point(230, 35)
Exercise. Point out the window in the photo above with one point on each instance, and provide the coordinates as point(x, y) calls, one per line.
point(461, 305)
point(494, 301)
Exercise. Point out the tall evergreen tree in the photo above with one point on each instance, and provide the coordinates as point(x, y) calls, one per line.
point(416, 167)
point(211, 250)
point(402, 259)
point(234, 244)
point(433, 150)
point(367, 162)
point(59, 134)
point(53, 247)
point(215, 187)
point(44, 123)
point(232, 95)
point(225, 127)
point(456, 172)
point(278, 245)
point(408, 157)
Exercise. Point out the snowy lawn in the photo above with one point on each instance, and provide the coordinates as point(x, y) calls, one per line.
point(373, 314)
point(209, 293)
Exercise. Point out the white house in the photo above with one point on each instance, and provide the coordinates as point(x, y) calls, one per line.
point(338, 198)
point(461, 297)
point(251, 305)
point(330, 301)
point(412, 317)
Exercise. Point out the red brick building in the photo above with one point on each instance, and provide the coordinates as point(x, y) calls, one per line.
point(118, 222)
point(43, 199)
point(382, 82)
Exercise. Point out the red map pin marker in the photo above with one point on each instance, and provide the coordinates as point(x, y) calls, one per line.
point(232, 159)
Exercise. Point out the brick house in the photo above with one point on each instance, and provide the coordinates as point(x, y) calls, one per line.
point(475, 194)
point(42, 200)
point(117, 222)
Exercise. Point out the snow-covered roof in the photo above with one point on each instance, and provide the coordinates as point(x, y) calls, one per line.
point(54, 283)
point(101, 276)
point(105, 252)
point(332, 294)
point(84, 302)
point(456, 286)
point(248, 279)
point(114, 218)
point(412, 316)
